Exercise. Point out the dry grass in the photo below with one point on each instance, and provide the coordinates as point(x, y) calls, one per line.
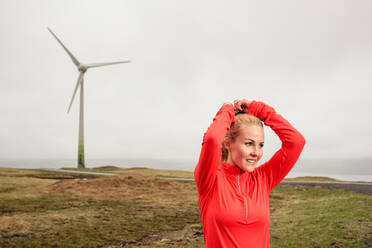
point(14, 187)
point(124, 187)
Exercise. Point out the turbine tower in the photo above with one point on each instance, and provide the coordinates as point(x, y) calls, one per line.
point(82, 68)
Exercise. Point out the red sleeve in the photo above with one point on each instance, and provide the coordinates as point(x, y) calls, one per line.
point(210, 155)
point(292, 143)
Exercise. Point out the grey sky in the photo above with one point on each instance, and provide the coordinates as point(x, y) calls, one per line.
point(310, 60)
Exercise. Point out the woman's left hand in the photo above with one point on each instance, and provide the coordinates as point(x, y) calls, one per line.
point(241, 105)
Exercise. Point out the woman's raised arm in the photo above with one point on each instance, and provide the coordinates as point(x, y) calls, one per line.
point(292, 143)
point(210, 155)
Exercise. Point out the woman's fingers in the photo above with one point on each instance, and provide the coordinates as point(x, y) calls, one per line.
point(237, 105)
point(241, 105)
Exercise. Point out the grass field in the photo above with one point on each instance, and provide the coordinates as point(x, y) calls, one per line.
point(137, 209)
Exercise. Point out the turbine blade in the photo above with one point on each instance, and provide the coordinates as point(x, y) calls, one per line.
point(80, 79)
point(103, 64)
point(76, 62)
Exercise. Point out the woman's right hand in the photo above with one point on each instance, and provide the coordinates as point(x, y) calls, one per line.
point(241, 105)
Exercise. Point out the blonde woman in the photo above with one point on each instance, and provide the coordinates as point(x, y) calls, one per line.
point(233, 192)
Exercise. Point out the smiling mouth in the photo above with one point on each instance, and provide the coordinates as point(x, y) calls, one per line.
point(251, 161)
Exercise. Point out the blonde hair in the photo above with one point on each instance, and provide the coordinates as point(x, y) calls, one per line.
point(241, 119)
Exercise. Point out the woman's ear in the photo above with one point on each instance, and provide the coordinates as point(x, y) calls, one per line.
point(226, 143)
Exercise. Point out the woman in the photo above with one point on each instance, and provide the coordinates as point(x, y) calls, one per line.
point(233, 193)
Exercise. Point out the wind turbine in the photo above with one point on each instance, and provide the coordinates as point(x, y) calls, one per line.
point(82, 68)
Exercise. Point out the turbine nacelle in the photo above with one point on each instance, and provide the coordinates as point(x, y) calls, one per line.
point(82, 68)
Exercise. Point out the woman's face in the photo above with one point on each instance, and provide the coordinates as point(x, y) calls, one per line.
point(247, 149)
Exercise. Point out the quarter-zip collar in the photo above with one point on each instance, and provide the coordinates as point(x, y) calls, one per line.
point(231, 169)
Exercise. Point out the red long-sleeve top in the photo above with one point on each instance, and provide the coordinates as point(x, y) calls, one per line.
point(234, 204)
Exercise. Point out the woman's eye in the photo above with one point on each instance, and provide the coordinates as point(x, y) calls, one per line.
point(261, 145)
point(249, 143)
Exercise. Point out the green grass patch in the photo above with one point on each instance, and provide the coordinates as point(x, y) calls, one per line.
point(320, 217)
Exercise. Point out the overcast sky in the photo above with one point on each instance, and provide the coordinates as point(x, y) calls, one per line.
point(310, 60)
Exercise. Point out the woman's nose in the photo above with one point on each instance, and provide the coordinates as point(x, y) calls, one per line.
point(254, 152)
